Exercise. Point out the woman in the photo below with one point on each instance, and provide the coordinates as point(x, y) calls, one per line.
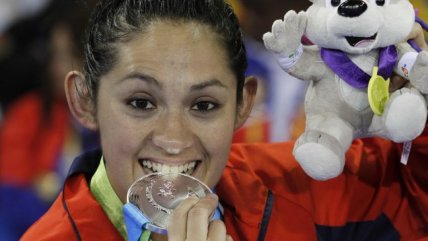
point(163, 84)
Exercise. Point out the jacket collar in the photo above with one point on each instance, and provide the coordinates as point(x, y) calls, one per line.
point(86, 216)
point(86, 163)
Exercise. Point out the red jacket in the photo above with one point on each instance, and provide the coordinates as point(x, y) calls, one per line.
point(267, 196)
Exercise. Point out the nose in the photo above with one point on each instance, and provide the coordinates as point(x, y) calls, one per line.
point(172, 134)
point(352, 8)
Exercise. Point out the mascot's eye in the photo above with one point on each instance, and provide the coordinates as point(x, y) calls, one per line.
point(335, 3)
point(380, 2)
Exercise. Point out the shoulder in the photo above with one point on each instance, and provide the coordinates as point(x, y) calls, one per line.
point(260, 162)
point(271, 166)
point(259, 155)
point(267, 160)
point(259, 179)
point(75, 204)
point(53, 225)
point(75, 215)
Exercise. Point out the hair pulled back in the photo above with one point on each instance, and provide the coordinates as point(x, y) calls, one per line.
point(114, 22)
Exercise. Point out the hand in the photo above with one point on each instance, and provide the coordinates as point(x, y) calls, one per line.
point(191, 221)
point(417, 34)
point(286, 34)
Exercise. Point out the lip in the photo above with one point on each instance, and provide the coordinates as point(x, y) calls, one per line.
point(357, 41)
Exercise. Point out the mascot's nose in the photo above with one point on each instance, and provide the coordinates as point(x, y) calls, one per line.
point(352, 8)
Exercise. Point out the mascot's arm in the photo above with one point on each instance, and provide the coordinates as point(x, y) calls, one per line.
point(418, 75)
point(285, 42)
point(406, 59)
point(413, 66)
point(286, 35)
point(310, 66)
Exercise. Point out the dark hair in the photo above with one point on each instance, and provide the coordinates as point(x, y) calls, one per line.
point(115, 21)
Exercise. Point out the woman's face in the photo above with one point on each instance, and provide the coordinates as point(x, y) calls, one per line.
point(168, 105)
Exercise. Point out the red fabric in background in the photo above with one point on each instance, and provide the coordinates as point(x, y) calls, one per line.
point(30, 144)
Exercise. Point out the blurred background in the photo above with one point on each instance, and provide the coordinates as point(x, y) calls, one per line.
point(41, 40)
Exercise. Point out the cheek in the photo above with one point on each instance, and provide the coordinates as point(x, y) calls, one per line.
point(219, 156)
point(117, 135)
point(120, 143)
point(217, 142)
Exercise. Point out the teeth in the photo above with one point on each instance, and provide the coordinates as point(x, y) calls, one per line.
point(157, 167)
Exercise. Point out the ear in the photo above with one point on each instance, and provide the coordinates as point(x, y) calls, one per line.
point(249, 95)
point(79, 100)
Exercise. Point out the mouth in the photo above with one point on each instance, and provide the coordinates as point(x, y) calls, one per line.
point(361, 41)
point(186, 168)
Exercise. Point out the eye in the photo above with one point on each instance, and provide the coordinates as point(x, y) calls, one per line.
point(204, 106)
point(332, 3)
point(380, 2)
point(141, 104)
point(335, 3)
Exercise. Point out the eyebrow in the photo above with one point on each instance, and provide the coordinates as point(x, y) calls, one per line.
point(151, 80)
point(208, 83)
point(140, 76)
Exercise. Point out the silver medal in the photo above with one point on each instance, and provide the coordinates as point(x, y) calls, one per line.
point(158, 194)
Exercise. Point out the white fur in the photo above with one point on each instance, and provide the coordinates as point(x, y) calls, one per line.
point(332, 164)
point(327, 29)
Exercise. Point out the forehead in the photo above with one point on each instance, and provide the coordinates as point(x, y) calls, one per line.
point(183, 49)
point(183, 37)
point(170, 36)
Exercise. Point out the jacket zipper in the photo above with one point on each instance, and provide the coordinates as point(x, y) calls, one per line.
point(266, 216)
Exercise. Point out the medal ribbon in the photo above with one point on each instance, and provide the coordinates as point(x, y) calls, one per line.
point(342, 65)
point(103, 192)
point(135, 222)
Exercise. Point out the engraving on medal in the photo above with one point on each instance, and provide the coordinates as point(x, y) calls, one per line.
point(152, 201)
point(167, 190)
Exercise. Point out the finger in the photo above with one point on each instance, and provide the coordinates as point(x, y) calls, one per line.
point(303, 20)
point(417, 34)
point(278, 28)
point(271, 42)
point(229, 238)
point(177, 225)
point(199, 216)
point(216, 231)
point(290, 15)
point(268, 38)
point(397, 82)
point(414, 32)
point(419, 38)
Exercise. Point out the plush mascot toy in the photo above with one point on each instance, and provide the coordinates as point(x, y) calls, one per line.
point(358, 44)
